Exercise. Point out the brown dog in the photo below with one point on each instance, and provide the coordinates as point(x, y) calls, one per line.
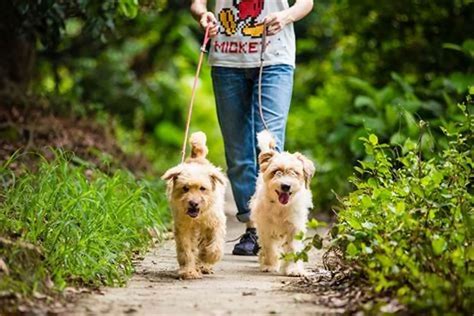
point(195, 192)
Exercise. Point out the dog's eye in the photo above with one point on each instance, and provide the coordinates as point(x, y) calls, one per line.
point(185, 189)
point(202, 188)
point(278, 173)
point(295, 173)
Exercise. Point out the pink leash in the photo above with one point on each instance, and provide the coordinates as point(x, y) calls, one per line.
point(193, 93)
point(260, 74)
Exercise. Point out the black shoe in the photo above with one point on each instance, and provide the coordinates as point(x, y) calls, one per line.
point(248, 244)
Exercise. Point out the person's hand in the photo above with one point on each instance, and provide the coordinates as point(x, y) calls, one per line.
point(208, 18)
point(276, 21)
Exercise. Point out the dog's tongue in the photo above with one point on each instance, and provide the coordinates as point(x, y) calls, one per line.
point(193, 213)
point(283, 198)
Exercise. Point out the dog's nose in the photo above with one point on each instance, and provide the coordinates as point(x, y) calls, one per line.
point(285, 187)
point(193, 204)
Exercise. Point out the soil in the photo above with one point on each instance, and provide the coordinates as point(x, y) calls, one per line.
point(32, 131)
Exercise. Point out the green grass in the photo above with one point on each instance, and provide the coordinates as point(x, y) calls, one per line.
point(72, 225)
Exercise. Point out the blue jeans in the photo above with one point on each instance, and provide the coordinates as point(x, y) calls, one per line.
point(236, 93)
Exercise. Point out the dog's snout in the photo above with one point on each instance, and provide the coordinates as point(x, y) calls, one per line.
point(285, 187)
point(193, 204)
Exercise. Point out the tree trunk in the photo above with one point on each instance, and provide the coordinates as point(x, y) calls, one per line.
point(17, 50)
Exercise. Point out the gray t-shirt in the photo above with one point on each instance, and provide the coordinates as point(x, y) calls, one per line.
point(238, 43)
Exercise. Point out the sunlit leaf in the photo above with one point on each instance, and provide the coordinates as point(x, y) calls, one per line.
point(373, 139)
point(439, 245)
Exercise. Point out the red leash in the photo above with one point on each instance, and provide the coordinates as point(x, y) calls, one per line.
point(193, 93)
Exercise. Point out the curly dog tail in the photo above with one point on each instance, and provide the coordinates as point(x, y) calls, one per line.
point(266, 142)
point(198, 145)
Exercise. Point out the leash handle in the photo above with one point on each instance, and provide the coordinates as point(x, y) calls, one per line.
point(260, 73)
point(193, 93)
point(206, 38)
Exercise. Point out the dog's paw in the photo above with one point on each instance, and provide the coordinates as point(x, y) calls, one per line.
point(206, 270)
point(189, 274)
point(267, 268)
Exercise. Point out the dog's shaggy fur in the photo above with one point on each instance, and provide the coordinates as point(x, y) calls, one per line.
point(280, 204)
point(196, 191)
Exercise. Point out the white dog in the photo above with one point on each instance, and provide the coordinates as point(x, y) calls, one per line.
point(281, 204)
point(196, 191)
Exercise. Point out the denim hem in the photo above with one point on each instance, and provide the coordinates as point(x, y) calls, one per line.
point(244, 217)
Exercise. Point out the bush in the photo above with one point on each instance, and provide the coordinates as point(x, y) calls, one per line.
point(407, 226)
point(72, 225)
point(345, 108)
point(378, 66)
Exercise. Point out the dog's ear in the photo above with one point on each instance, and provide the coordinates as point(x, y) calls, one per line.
point(217, 176)
point(172, 173)
point(264, 159)
point(308, 168)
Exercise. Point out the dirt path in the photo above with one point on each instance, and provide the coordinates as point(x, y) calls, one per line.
point(236, 288)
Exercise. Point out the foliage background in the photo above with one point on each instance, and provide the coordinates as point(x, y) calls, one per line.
point(361, 66)
point(397, 70)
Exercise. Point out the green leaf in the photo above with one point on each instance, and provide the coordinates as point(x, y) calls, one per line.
point(452, 46)
point(354, 222)
point(129, 8)
point(289, 257)
point(384, 261)
point(397, 139)
point(362, 101)
point(439, 245)
point(468, 45)
point(400, 207)
point(314, 223)
point(352, 250)
point(302, 256)
point(317, 242)
point(366, 202)
point(373, 139)
point(461, 81)
point(470, 253)
point(299, 236)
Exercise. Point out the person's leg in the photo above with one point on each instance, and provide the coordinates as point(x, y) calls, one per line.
point(233, 93)
point(277, 88)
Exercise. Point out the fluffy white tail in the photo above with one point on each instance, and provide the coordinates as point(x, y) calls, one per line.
point(266, 142)
point(198, 145)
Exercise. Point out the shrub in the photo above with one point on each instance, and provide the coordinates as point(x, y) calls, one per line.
point(407, 226)
point(345, 108)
